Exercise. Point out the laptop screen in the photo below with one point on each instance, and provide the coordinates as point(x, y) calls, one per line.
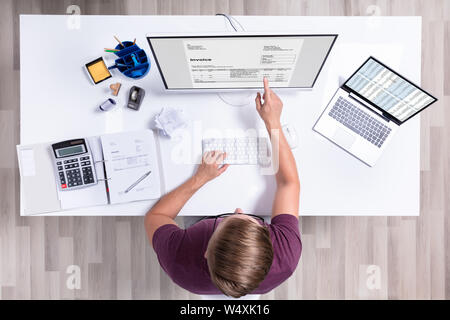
point(388, 91)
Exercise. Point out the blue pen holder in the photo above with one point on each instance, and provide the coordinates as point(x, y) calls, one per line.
point(132, 61)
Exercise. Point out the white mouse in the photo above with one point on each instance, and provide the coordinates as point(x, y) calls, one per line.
point(291, 135)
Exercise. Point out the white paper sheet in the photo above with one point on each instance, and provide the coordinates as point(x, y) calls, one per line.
point(27, 163)
point(244, 65)
point(128, 158)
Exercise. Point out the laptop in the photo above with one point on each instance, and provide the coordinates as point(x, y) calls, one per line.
point(367, 110)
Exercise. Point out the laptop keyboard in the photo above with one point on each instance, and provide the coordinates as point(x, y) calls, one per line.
point(359, 122)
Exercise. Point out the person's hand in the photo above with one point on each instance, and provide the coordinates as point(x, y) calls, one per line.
point(211, 166)
point(270, 110)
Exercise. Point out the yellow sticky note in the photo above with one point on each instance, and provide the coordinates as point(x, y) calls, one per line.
point(99, 71)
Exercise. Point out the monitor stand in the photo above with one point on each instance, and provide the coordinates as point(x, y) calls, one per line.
point(238, 99)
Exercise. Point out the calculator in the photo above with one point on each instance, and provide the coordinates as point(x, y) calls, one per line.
point(74, 164)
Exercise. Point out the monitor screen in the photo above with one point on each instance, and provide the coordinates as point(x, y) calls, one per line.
point(388, 91)
point(240, 62)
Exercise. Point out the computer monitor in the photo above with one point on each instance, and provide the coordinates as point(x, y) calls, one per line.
point(240, 61)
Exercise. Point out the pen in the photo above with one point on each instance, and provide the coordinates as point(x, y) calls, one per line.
point(117, 65)
point(137, 182)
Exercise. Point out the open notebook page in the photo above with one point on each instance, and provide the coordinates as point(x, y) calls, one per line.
point(131, 166)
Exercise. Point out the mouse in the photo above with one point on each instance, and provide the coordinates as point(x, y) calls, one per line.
point(291, 135)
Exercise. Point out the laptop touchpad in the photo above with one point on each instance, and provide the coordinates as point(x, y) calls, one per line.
point(343, 138)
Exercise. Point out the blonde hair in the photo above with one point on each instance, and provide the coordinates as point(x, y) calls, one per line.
point(239, 257)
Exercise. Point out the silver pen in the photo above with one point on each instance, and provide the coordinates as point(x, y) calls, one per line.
point(137, 182)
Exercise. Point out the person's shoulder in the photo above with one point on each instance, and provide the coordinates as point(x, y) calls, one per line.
point(285, 223)
point(173, 233)
point(167, 228)
point(284, 218)
point(165, 233)
point(286, 240)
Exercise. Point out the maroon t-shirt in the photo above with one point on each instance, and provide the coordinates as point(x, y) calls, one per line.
point(181, 254)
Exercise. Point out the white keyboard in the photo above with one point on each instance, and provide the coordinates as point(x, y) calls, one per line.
point(240, 150)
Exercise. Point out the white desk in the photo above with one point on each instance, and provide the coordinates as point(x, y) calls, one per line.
point(58, 102)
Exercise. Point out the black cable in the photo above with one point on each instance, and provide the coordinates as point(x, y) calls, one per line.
point(228, 18)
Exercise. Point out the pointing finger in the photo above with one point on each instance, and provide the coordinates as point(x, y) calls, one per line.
point(266, 87)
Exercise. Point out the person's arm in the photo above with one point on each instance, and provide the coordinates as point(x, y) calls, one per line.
point(168, 207)
point(288, 184)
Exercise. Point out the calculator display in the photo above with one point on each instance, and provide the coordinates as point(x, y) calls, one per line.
point(70, 151)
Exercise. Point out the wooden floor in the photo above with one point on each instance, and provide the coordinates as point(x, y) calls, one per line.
point(411, 255)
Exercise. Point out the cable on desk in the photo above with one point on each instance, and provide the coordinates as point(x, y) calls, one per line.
point(230, 20)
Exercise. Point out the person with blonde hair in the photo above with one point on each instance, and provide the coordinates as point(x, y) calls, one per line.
point(235, 254)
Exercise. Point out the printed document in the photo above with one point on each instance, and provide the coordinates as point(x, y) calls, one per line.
point(131, 166)
point(244, 63)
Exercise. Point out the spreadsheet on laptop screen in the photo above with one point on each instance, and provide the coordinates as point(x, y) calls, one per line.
point(389, 91)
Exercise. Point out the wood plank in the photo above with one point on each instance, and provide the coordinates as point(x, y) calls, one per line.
point(401, 257)
point(446, 243)
point(323, 232)
point(51, 243)
point(79, 254)
point(66, 259)
point(94, 239)
point(23, 255)
point(123, 245)
point(8, 293)
point(7, 141)
point(37, 236)
point(308, 263)
point(432, 71)
point(402, 7)
point(53, 285)
point(446, 68)
point(357, 253)
point(7, 229)
point(138, 243)
point(153, 271)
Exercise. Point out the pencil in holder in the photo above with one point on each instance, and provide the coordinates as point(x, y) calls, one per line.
point(132, 61)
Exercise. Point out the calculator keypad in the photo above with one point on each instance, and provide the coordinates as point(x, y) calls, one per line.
point(88, 177)
point(75, 172)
